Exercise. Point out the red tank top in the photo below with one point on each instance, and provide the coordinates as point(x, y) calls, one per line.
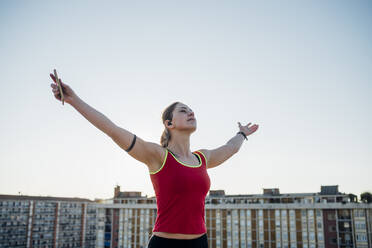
point(180, 195)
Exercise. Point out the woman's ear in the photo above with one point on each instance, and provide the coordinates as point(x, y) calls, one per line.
point(168, 123)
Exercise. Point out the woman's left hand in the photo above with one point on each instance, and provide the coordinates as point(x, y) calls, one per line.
point(248, 130)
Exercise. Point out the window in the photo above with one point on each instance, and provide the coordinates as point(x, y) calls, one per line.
point(332, 228)
point(293, 236)
point(331, 216)
point(361, 237)
point(312, 236)
point(333, 241)
point(320, 236)
point(277, 223)
point(318, 213)
point(311, 223)
point(284, 236)
point(345, 212)
point(359, 213)
point(278, 236)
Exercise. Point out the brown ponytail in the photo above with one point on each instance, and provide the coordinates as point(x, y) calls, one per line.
point(167, 115)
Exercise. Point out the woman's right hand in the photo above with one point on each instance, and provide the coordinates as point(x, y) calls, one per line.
point(68, 94)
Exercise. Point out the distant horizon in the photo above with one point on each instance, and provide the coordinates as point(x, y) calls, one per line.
point(150, 196)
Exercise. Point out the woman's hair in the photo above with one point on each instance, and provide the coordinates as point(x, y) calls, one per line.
point(167, 115)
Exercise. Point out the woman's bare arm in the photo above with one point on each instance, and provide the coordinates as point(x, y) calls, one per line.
point(219, 155)
point(149, 153)
point(98, 119)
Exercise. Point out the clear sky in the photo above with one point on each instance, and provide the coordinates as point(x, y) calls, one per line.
point(302, 70)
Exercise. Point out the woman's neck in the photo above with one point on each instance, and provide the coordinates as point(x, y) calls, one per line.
point(180, 145)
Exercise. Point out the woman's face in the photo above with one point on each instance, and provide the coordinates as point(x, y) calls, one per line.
point(183, 118)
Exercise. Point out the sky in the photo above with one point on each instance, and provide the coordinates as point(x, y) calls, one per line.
point(301, 70)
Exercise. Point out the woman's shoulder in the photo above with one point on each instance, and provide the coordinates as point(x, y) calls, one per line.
point(204, 152)
point(159, 155)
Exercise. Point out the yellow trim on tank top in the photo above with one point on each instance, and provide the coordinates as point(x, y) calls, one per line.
point(165, 159)
point(188, 165)
point(205, 158)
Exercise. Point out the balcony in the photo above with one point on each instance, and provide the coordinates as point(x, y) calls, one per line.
point(345, 230)
point(344, 218)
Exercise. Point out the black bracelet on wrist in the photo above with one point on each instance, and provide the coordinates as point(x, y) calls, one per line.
point(245, 136)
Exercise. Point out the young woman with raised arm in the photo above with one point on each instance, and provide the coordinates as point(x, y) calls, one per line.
point(179, 176)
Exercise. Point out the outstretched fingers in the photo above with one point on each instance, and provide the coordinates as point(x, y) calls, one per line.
point(253, 128)
point(54, 79)
point(240, 125)
point(248, 129)
point(55, 85)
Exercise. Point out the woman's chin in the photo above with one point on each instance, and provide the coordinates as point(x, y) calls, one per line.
point(189, 128)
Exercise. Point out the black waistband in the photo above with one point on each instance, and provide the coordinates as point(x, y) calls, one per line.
point(160, 242)
point(204, 236)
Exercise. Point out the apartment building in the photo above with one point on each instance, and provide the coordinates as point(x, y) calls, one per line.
point(29, 221)
point(310, 220)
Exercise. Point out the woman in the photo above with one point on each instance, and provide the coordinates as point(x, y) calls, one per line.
point(178, 175)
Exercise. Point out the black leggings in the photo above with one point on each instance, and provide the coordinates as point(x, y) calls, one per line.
point(160, 242)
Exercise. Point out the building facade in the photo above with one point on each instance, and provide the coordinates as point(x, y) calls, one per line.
point(27, 221)
point(312, 220)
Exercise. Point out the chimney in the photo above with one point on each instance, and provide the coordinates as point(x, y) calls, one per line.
point(272, 191)
point(116, 191)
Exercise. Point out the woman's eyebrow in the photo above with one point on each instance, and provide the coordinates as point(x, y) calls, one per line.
point(185, 108)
